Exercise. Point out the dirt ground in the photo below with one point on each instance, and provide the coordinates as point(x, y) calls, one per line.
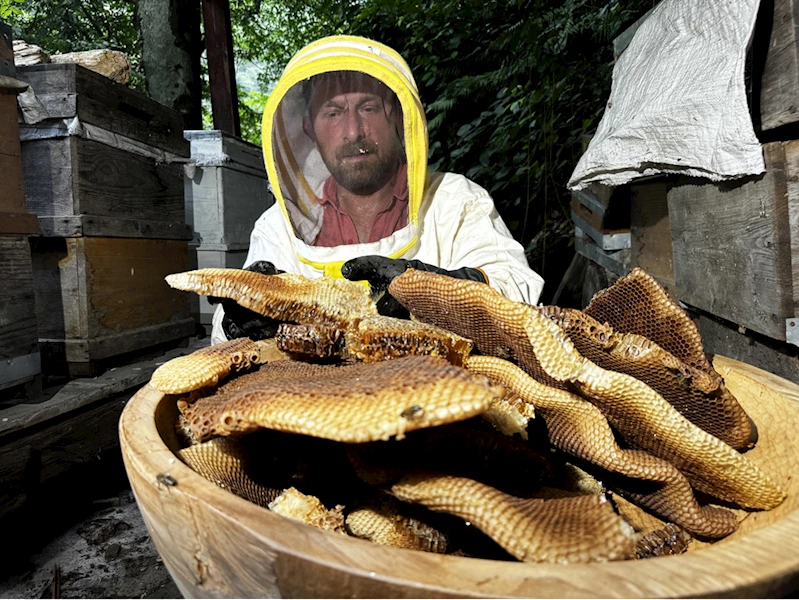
point(108, 554)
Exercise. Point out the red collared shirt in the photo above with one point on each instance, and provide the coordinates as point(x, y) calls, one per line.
point(337, 227)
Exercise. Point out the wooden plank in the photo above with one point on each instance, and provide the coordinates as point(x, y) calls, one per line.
point(102, 297)
point(12, 193)
point(732, 247)
point(109, 105)
point(62, 354)
point(97, 226)
point(82, 393)
point(17, 313)
point(115, 183)
point(125, 283)
point(650, 230)
point(72, 176)
point(12, 196)
point(724, 338)
point(39, 458)
point(245, 198)
point(48, 167)
point(792, 179)
point(779, 91)
point(221, 67)
point(59, 105)
point(16, 223)
point(50, 260)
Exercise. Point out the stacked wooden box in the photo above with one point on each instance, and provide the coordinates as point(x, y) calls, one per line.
point(226, 190)
point(104, 173)
point(19, 348)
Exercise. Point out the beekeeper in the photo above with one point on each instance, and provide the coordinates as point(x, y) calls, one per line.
point(345, 146)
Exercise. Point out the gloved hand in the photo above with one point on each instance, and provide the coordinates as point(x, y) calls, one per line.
point(379, 271)
point(243, 322)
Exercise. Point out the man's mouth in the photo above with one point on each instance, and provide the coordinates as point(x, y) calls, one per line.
point(356, 151)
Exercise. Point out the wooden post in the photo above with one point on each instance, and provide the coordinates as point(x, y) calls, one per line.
point(221, 69)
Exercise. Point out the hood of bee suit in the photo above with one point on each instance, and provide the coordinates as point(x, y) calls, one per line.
point(295, 167)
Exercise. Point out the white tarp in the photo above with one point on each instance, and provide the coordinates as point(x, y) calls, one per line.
point(678, 102)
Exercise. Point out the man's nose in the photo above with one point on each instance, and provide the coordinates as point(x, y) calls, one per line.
point(353, 125)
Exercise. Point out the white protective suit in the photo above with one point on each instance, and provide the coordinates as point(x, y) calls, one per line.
point(452, 222)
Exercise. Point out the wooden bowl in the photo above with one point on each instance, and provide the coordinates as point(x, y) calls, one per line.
point(216, 544)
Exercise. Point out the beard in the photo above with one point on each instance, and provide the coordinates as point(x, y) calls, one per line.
point(364, 177)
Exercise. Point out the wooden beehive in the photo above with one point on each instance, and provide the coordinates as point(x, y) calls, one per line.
point(216, 544)
point(226, 191)
point(777, 38)
point(650, 231)
point(104, 174)
point(736, 245)
point(19, 349)
point(19, 342)
point(98, 297)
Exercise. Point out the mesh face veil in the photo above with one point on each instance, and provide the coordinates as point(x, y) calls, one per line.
point(345, 118)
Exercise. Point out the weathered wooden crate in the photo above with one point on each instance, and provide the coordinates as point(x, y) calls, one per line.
point(68, 90)
point(736, 245)
point(779, 82)
point(650, 231)
point(19, 341)
point(98, 298)
point(201, 257)
point(227, 190)
point(108, 162)
point(72, 179)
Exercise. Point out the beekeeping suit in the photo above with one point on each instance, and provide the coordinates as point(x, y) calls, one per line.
point(443, 219)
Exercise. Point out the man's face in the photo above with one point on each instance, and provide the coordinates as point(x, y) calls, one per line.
point(355, 125)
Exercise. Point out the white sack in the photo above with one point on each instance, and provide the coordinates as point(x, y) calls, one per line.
point(678, 102)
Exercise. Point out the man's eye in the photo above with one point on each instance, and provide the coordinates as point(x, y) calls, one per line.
point(332, 114)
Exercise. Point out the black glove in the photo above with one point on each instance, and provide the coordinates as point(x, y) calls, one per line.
point(379, 271)
point(242, 322)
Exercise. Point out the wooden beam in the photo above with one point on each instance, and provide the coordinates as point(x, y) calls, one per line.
point(221, 68)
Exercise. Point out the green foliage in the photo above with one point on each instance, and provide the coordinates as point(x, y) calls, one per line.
point(509, 89)
point(60, 26)
point(10, 9)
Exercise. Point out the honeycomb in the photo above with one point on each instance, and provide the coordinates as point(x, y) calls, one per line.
point(576, 529)
point(205, 367)
point(295, 505)
point(284, 297)
point(700, 398)
point(578, 428)
point(372, 339)
point(224, 462)
point(641, 416)
point(644, 416)
point(351, 403)
point(662, 542)
point(465, 449)
point(638, 304)
point(495, 325)
point(386, 525)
